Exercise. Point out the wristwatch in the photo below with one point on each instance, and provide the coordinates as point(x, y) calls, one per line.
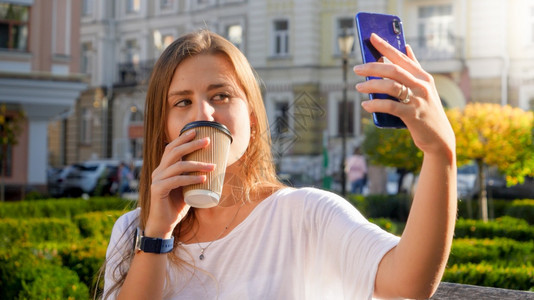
point(152, 245)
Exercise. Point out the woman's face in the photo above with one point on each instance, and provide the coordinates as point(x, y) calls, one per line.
point(205, 88)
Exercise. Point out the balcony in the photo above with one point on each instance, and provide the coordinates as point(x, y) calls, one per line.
point(132, 74)
point(439, 54)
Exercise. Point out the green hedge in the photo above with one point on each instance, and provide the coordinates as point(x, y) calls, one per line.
point(522, 209)
point(84, 258)
point(55, 247)
point(62, 208)
point(388, 225)
point(51, 282)
point(28, 274)
point(61, 242)
point(497, 252)
point(485, 274)
point(97, 225)
point(497, 207)
point(23, 231)
point(396, 207)
point(506, 227)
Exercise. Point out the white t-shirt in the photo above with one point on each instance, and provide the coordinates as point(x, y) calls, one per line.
point(296, 244)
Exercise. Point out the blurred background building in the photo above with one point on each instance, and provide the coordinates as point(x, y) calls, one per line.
point(39, 75)
point(477, 50)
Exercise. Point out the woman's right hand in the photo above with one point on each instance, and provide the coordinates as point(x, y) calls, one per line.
point(167, 205)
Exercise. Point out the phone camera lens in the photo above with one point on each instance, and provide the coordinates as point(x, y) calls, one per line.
point(397, 26)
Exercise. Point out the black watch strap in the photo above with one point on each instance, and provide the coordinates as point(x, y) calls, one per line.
point(152, 245)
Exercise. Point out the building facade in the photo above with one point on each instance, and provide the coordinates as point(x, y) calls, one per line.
point(293, 47)
point(39, 76)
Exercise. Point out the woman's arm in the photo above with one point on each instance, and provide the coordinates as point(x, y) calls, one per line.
point(413, 269)
point(147, 273)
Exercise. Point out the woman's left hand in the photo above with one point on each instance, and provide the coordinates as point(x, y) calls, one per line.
point(423, 114)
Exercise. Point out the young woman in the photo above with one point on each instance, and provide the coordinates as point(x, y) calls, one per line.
point(264, 240)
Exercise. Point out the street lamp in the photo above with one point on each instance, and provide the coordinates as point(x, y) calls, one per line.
point(345, 42)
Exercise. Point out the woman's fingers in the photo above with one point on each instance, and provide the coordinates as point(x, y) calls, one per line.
point(411, 55)
point(183, 168)
point(176, 150)
point(172, 183)
point(421, 111)
point(397, 57)
point(388, 71)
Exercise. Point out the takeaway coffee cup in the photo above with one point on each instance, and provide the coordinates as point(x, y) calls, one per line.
point(207, 194)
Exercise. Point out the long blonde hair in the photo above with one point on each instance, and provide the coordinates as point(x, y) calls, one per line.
point(257, 169)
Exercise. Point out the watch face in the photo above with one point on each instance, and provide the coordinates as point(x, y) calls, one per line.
point(137, 239)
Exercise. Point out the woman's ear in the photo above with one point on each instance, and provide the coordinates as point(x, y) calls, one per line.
point(253, 121)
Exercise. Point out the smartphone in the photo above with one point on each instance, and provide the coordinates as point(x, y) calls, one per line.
point(389, 28)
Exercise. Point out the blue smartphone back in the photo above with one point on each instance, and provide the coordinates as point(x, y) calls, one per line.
point(389, 28)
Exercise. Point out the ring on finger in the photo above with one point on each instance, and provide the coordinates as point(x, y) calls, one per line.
point(401, 91)
point(406, 99)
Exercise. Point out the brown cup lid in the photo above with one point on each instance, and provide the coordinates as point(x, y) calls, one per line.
point(216, 125)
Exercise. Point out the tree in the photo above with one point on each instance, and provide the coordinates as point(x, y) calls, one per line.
point(391, 148)
point(10, 127)
point(494, 135)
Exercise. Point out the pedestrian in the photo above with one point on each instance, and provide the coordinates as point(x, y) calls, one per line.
point(265, 240)
point(356, 169)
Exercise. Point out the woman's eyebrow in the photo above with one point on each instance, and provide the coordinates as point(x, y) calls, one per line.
point(189, 92)
point(217, 86)
point(180, 93)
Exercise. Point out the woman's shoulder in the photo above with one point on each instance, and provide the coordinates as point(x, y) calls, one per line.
point(126, 220)
point(305, 193)
point(313, 206)
point(307, 196)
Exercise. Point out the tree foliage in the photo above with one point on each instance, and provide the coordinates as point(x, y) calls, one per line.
point(499, 136)
point(10, 128)
point(391, 148)
point(10, 125)
point(494, 135)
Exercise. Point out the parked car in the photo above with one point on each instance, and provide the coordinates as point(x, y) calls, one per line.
point(90, 177)
point(468, 187)
point(467, 180)
point(497, 189)
point(56, 179)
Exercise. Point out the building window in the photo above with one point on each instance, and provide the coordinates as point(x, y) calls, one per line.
point(132, 52)
point(86, 59)
point(345, 26)
point(87, 8)
point(85, 126)
point(281, 118)
point(133, 6)
point(162, 41)
point(435, 31)
point(135, 133)
point(234, 33)
point(281, 38)
point(350, 114)
point(167, 40)
point(166, 4)
point(136, 116)
point(14, 26)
